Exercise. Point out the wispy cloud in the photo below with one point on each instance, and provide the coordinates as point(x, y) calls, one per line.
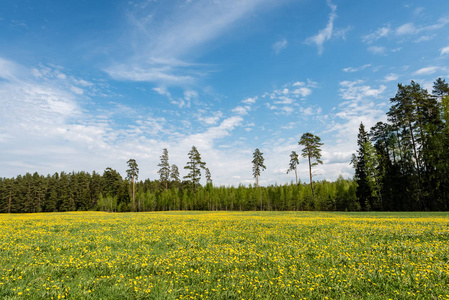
point(47, 129)
point(279, 46)
point(285, 100)
point(326, 33)
point(161, 48)
point(377, 50)
point(376, 35)
point(445, 50)
point(356, 69)
point(407, 28)
point(361, 103)
point(426, 70)
point(391, 77)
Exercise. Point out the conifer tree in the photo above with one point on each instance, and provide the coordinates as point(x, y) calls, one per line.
point(164, 171)
point(208, 176)
point(193, 165)
point(258, 165)
point(312, 152)
point(132, 174)
point(366, 173)
point(294, 162)
point(174, 173)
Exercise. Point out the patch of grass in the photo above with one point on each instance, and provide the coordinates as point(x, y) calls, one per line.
point(224, 255)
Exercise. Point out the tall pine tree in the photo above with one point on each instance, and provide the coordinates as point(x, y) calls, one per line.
point(312, 151)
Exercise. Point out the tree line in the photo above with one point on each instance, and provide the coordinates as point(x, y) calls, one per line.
point(399, 165)
point(403, 164)
point(78, 191)
point(110, 192)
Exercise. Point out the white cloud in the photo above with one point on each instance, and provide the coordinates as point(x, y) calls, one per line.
point(361, 103)
point(326, 33)
point(250, 100)
point(161, 48)
point(426, 70)
point(279, 46)
point(352, 69)
point(377, 50)
point(411, 29)
point(354, 90)
point(424, 38)
point(391, 77)
point(445, 50)
point(378, 34)
point(162, 91)
point(211, 120)
point(241, 110)
point(302, 91)
point(45, 129)
point(407, 28)
point(284, 100)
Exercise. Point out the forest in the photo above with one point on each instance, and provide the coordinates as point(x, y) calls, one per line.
point(400, 165)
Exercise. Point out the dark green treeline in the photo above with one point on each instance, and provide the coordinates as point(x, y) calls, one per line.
point(109, 192)
point(403, 164)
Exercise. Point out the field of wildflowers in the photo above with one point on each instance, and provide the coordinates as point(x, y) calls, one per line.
point(224, 255)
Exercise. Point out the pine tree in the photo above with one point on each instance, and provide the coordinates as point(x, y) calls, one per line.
point(294, 162)
point(193, 165)
point(208, 176)
point(258, 165)
point(164, 171)
point(174, 173)
point(312, 152)
point(132, 174)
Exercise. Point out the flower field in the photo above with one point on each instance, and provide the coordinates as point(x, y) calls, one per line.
point(224, 255)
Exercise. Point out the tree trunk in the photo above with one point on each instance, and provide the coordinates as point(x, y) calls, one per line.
point(417, 165)
point(311, 181)
point(134, 207)
point(296, 175)
point(10, 200)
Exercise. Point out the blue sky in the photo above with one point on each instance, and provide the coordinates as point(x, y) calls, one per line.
point(86, 85)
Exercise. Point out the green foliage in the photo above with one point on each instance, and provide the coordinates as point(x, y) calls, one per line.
point(193, 165)
point(224, 255)
point(411, 162)
point(164, 171)
point(258, 165)
point(312, 151)
point(400, 165)
point(293, 166)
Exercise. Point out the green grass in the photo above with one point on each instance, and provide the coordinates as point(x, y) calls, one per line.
point(225, 255)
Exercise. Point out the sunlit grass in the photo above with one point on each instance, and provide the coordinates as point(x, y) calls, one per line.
point(224, 255)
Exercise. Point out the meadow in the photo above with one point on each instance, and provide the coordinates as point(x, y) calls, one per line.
point(224, 255)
